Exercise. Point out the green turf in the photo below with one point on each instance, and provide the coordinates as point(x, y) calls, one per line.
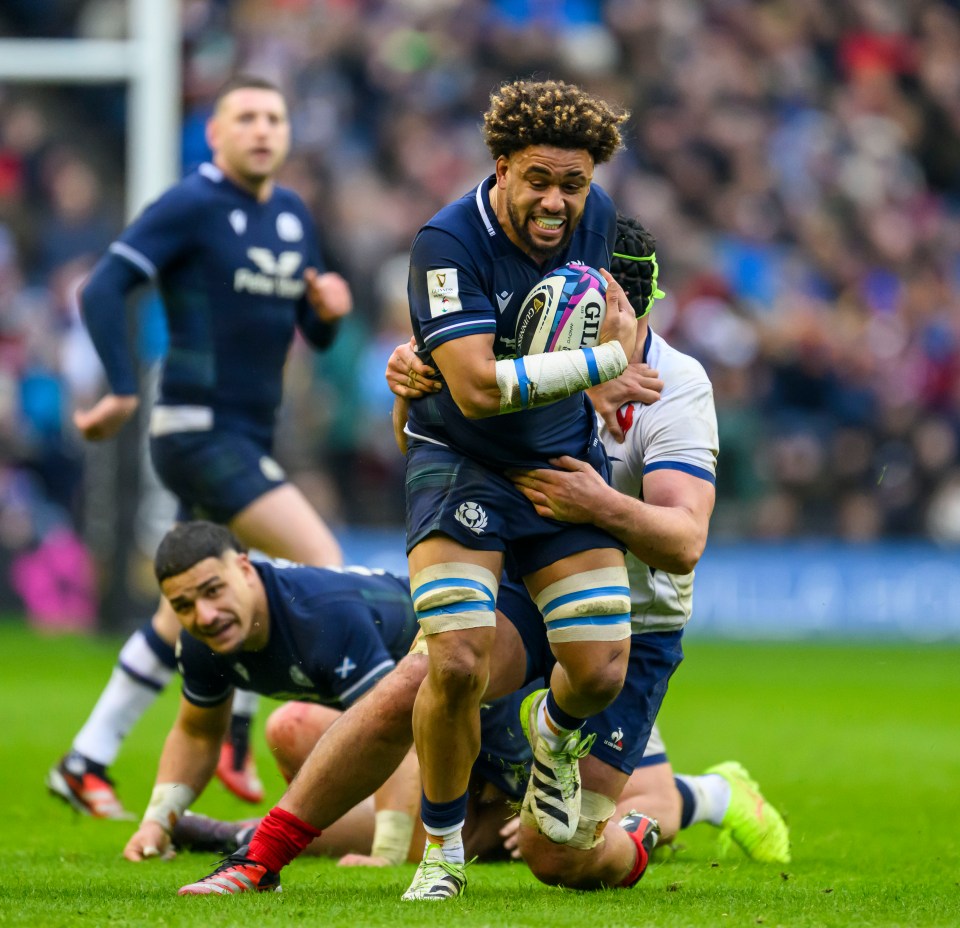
point(859, 746)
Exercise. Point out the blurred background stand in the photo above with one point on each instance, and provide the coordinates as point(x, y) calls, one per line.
point(123, 500)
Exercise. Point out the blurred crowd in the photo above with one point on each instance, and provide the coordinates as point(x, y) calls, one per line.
point(798, 162)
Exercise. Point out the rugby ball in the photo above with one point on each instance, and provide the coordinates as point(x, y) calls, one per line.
point(563, 312)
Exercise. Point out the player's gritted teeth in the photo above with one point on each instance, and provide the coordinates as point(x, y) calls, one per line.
point(552, 224)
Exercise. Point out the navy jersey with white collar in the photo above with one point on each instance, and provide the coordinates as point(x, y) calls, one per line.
point(333, 635)
point(229, 270)
point(468, 278)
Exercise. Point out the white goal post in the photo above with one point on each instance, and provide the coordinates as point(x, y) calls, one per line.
point(148, 63)
point(123, 493)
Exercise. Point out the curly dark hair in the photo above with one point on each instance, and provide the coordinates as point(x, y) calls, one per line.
point(524, 113)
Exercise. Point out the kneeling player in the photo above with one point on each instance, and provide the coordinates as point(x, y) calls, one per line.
point(296, 633)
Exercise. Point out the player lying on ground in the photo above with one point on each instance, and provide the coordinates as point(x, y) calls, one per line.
point(725, 796)
point(232, 606)
point(296, 633)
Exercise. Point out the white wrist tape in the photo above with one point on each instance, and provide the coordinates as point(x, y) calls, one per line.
point(539, 379)
point(392, 834)
point(168, 802)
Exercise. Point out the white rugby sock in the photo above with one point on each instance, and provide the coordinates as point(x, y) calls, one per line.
point(553, 731)
point(711, 797)
point(245, 703)
point(133, 686)
point(451, 842)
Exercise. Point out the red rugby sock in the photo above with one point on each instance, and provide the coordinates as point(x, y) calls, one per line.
point(279, 838)
point(640, 867)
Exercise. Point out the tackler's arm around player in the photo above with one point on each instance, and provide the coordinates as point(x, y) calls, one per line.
point(667, 529)
point(409, 377)
point(187, 764)
point(574, 493)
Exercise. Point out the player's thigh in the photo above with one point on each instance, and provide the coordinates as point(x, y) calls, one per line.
point(456, 510)
point(652, 791)
point(585, 602)
point(579, 563)
point(441, 549)
point(282, 523)
point(454, 591)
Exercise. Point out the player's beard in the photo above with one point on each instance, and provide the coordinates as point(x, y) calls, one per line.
point(536, 250)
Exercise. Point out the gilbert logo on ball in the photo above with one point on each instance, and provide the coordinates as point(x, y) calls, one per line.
point(563, 311)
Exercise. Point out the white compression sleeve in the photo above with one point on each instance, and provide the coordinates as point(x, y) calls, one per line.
point(539, 379)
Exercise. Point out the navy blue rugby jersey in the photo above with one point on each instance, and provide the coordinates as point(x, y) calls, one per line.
point(229, 271)
point(468, 278)
point(333, 635)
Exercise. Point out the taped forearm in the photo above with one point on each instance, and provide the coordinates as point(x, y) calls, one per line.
point(539, 379)
point(392, 834)
point(168, 802)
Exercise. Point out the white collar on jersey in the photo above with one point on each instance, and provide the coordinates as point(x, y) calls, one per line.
point(482, 203)
point(211, 172)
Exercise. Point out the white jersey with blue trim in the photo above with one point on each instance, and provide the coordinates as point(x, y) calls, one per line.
point(679, 432)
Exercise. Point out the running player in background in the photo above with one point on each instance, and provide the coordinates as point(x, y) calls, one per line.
point(237, 264)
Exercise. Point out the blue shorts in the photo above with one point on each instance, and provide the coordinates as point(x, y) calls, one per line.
point(515, 603)
point(450, 494)
point(624, 727)
point(654, 656)
point(214, 474)
point(505, 754)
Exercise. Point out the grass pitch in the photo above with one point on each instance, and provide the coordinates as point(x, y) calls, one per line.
point(858, 745)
